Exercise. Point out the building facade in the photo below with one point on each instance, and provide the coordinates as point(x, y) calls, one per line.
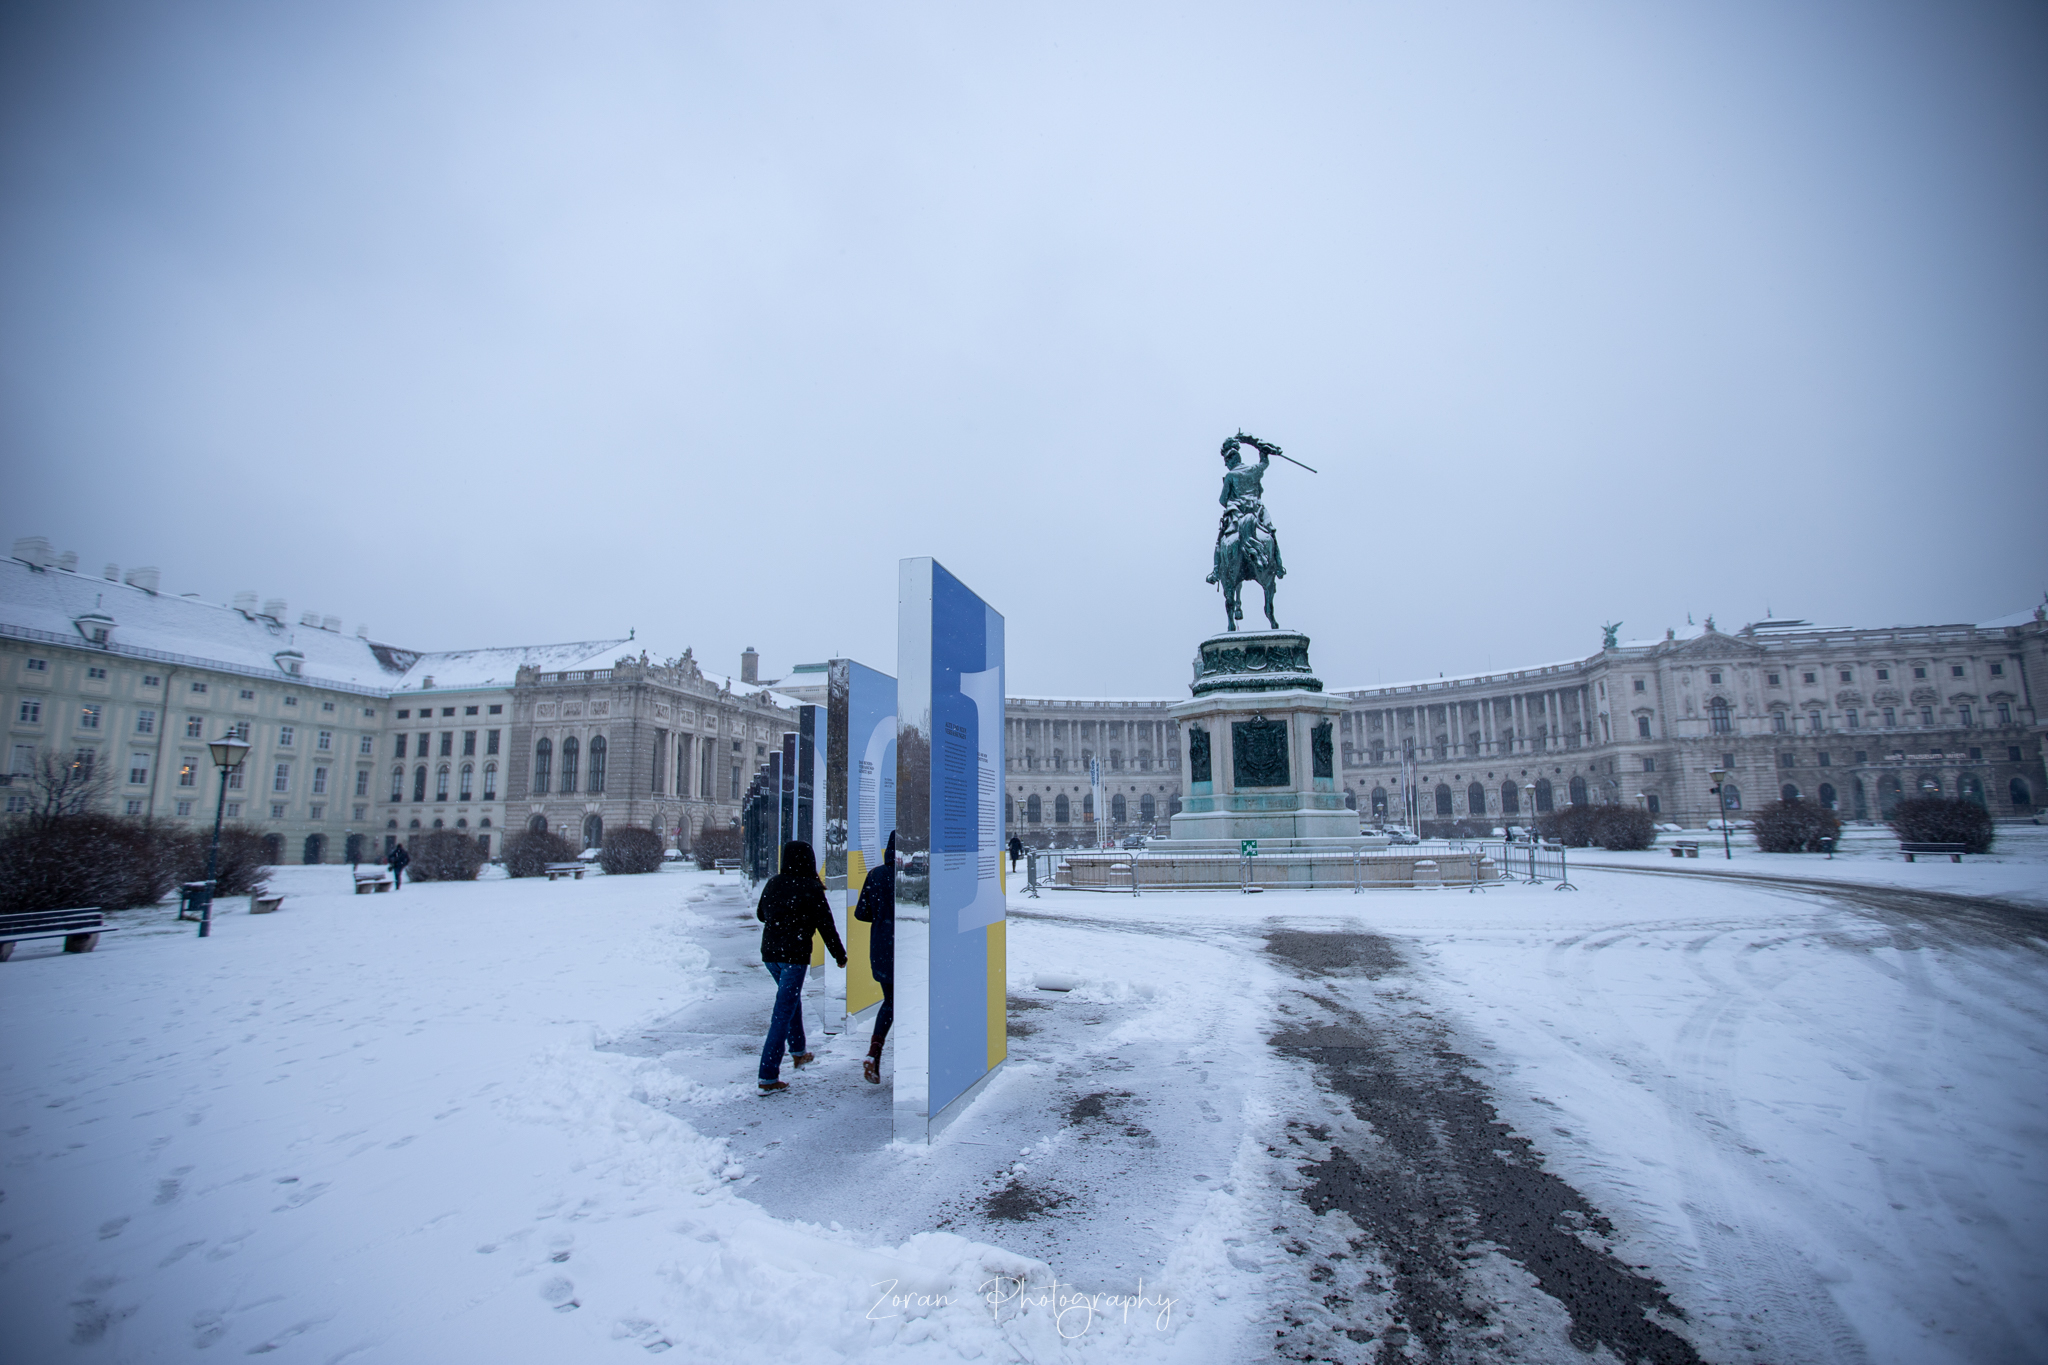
point(1049, 743)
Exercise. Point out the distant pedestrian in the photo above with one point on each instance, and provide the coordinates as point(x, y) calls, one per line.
point(792, 909)
point(397, 860)
point(1016, 851)
point(877, 909)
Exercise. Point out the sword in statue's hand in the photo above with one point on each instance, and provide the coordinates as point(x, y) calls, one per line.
point(1268, 448)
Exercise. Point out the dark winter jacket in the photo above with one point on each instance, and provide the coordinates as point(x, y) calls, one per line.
point(791, 909)
point(398, 858)
point(877, 907)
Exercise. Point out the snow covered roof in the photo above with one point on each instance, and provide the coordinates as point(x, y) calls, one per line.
point(50, 602)
point(497, 667)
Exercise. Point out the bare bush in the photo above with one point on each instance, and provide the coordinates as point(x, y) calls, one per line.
point(1940, 820)
point(1796, 827)
point(528, 853)
point(445, 855)
point(1615, 828)
point(714, 842)
point(243, 860)
point(630, 849)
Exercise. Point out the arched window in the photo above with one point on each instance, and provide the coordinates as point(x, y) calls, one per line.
point(1060, 809)
point(1117, 810)
point(441, 783)
point(1788, 792)
point(597, 752)
point(398, 783)
point(1827, 795)
point(1731, 796)
point(1543, 799)
point(1888, 793)
point(462, 824)
point(537, 824)
point(467, 791)
point(569, 755)
point(1970, 788)
point(1148, 809)
point(543, 758)
point(419, 783)
point(1034, 811)
point(1510, 798)
point(2021, 795)
point(490, 781)
point(315, 851)
point(1578, 790)
point(1379, 803)
point(1443, 799)
point(414, 823)
point(273, 849)
point(593, 831)
point(1475, 799)
point(1088, 808)
point(1717, 712)
point(437, 822)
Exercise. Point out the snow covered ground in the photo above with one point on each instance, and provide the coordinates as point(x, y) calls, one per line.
point(515, 1121)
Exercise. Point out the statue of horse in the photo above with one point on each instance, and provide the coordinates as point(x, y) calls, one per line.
point(1246, 553)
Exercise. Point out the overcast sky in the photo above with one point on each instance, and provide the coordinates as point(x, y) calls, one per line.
point(495, 323)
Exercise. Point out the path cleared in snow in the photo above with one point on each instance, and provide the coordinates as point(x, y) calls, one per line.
point(515, 1121)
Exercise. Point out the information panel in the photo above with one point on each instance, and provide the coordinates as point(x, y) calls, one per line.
point(950, 998)
point(860, 801)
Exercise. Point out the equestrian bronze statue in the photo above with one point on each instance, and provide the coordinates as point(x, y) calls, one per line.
point(1247, 551)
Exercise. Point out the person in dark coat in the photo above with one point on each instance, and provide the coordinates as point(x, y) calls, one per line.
point(792, 908)
point(397, 860)
point(877, 908)
point(1016, 851)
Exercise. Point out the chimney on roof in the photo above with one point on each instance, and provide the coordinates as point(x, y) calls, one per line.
point(331, 624)
point(750, 665)
point(33, 550)
point(363, 631)
point(275, 608)
point(112, 573)
point(245, 602)
point(310, 618)
point(68, 561)
point(144, 578)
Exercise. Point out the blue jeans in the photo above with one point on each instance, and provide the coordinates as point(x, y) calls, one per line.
point(786, 1024)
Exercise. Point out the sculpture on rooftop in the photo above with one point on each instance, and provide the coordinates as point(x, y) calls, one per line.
point(1610, 630)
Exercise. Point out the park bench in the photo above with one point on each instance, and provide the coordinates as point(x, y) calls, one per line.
point(555, 871)
point(724, 865)
point(1686, 848)
point(264, 905)
point(80, 929)
point(1954, 851)
point(366, 882)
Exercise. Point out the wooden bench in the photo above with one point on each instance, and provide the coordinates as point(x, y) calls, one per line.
point(556, 871)
point(80, 929)
point(1954, 851)
point(725, 865)
point(1686, 848)
point(366, 882)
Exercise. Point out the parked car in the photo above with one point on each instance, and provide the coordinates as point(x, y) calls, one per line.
point(918, 865)
point(590, 855)
point(1136, 841)
point(1396, 835)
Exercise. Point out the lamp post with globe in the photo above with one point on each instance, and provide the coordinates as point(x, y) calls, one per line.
point(229, 752)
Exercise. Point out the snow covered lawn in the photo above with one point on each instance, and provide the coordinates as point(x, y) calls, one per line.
point(514, 1121)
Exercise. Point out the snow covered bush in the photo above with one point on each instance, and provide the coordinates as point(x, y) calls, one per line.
point(1616, 828)
point(1795, 827)
point(630, 849)
point(714, 842)
point(528, 853)
point(1939, 820)
point(445, 855)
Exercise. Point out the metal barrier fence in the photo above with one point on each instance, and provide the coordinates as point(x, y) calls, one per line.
point(1459, 863)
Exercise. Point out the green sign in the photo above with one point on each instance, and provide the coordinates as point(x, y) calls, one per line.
point(1248, 848)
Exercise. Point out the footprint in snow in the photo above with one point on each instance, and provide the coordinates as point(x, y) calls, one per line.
point(179, 1253)
point(112, 1228)
point(561, 1293)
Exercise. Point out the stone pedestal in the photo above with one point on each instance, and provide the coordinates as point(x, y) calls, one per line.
point(1259, 745)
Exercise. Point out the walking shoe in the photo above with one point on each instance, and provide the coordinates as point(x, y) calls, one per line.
point(871, 1070)
point(802, 1059)
point(770, 1087)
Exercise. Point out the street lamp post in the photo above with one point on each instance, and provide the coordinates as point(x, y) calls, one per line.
point(229, 752)
point(1720, 778)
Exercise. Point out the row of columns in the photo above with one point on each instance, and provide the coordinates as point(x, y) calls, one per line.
point(1526, 712)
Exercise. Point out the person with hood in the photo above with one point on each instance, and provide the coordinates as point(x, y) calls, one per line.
point(397, 860)
point(877, 908)
point(792, 908)
point(1016, 851)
